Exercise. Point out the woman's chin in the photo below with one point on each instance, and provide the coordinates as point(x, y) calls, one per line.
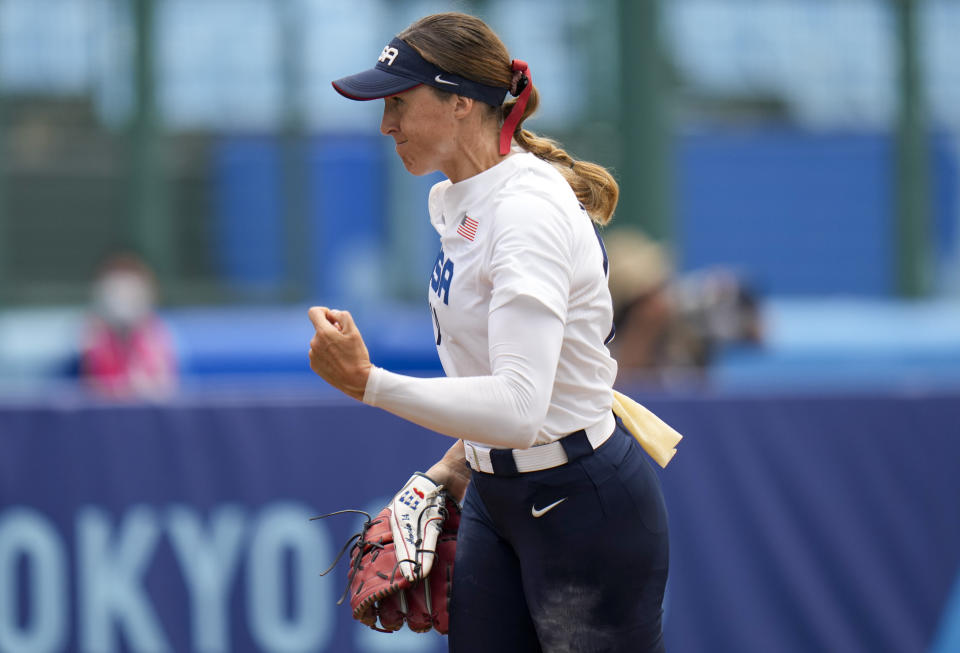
point(413, 168)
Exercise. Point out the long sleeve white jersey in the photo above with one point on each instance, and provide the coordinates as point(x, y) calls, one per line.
point(521, 311)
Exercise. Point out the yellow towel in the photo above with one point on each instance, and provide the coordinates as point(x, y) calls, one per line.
point(654, 435)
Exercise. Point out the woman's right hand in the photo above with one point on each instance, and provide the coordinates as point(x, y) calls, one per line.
point(337, 351)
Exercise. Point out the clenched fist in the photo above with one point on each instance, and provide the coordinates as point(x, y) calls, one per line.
point(337, 352)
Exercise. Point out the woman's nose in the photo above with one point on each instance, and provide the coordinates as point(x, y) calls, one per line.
point(388, 123)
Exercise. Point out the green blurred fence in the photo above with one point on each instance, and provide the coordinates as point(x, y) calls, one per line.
point(75, 184)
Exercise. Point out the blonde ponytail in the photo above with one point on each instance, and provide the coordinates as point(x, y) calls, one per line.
point(593, 185)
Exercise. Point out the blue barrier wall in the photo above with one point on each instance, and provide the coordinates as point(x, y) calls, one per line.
point(348, 217)
point(802, 524)
point(344, 202)
point(248, 221)
point(798, 212)
point(804, 213)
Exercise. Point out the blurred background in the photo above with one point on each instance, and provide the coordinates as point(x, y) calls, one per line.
point(179, 183)
point(808, 150)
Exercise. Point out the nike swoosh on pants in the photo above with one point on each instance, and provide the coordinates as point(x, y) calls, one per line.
point(540, 512)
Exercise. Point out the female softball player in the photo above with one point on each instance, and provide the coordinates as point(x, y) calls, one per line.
point(563, 538)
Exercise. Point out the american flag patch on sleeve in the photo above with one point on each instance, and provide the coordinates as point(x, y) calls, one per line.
point(468, 227)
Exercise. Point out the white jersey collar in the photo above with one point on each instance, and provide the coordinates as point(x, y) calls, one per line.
point(448, 200)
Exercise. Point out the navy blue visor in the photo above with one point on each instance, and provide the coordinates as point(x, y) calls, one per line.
point(400, 68)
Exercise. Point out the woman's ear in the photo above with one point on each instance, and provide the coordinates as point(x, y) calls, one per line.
point(463, 106)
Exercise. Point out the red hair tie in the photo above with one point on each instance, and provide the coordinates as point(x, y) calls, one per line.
point(523, 86)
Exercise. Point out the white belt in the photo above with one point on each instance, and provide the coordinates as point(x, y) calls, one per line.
point(541, 456)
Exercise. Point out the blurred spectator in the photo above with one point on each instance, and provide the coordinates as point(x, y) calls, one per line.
point(127, 351)
point(669, 329)
point(640, 272)
point(718, 308)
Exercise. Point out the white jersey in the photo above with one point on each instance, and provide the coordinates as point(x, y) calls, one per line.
point(513, 230)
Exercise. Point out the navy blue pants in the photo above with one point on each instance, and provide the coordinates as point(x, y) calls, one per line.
point(586, 576)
